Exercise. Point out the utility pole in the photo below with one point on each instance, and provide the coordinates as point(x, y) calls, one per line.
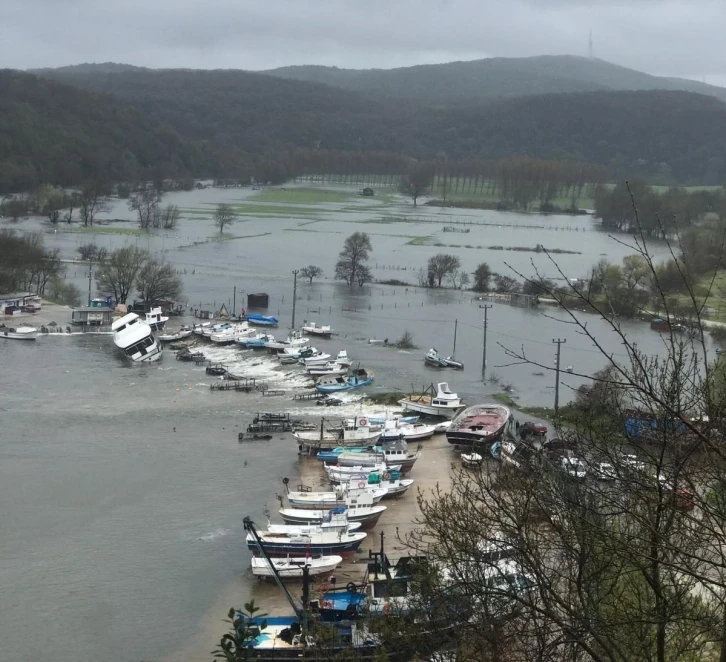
point(294, 296)
point(559, 342)
point(90, 275)
point(234, 302)
point(456, 324)
point(486, 308)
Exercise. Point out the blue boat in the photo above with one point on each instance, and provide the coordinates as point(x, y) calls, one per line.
point(332, 384)
point(261, 320)
point(255, 342)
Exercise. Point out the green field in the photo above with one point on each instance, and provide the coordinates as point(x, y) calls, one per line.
point(301, 196)
point(97, 229)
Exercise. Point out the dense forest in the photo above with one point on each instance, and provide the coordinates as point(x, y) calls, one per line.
point(129, 123)
point(479, 81)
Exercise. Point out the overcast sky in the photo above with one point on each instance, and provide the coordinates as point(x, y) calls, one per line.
point(677, 37)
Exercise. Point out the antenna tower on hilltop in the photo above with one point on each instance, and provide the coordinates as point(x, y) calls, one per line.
point(589, 50)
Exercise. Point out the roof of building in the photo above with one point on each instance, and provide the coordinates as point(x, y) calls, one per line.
point(18, 295)
point(92, 309)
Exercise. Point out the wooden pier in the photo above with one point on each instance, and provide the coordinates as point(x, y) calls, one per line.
point(242, 385)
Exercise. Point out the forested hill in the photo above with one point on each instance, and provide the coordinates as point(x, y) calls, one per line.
point(55, 133)
point(456, 83)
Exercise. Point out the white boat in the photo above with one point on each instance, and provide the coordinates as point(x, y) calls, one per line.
point(338, 522)
point(392, 482)
point(417, 431)
point(319, 359)
point(155, 319)
point(316, 542)
point(471, 460)
point(208, 331)
point(442, 427)
point(445, 403)
point(182, 333)
point(232, 333)
point(364, 515)
point(199, 328)
point(18, 332)
point(340, 497)
point(360, 434)
point(338, 474)
point(329, 368)
point(292, 567)
point(292, 341)
point(323, 331)
point(135, 338)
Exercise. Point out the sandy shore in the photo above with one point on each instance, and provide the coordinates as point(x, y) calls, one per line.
point(433, 468)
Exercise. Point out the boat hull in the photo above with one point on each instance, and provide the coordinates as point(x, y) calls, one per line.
point(292, 548)
point(431, 410)
point(292, 568)
point(300, 516)
point(480, 425)
point(20, 333)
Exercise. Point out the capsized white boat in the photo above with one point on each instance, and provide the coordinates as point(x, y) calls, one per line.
point(135, 338)
point(292, 567)
point(445, 403)
point(18, 332)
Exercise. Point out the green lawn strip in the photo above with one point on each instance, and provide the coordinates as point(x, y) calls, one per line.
point(230, 237)
point(306, 196)
point(420, 241)
point(97, 229)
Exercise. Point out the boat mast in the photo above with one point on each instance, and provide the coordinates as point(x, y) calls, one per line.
point(456, 324)
point(300, 613)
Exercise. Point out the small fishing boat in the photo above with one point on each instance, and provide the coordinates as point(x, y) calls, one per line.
point(391, 453)
point(232, 333)
point(433, 359)
point(338, 474)
point(257, 341)
point(135, 338)
point(155, 319)
point(294, 354)
point(262, 320)
point(443, 403)
point(292, 567)
point(320, 358)
point(359, 434)
point(478, 424)
point(330, 368)
point(417, 431)
point(442, 427)
point(316, 541)
point(343, 496)
point(311, 328)
point(333, 384)
point(199, 328)
point(391, 481)
point(338, 522)
point(366, 515)
point(451, 362)
point(207, 331)
point(18, 332)
point(471, 460)
point(293, 341)
point(182, 333)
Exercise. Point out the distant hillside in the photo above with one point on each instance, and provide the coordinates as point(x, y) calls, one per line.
point(665, 136)
point(478, 81)
point(89, 67)
point(248, 111)
point(54, 133)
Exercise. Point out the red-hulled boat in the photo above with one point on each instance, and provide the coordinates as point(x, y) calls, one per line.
point(478, 424)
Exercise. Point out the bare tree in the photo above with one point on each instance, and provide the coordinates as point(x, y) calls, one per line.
point(417, 181)
point(441, 266)
point(91, 252)
point(145, 203)
point(118, 273)
point(72, 202)
point(93, 199)
point(158, 280)
point(169, 217)
point(224, 215)
point(356, 250)
point(311, 271)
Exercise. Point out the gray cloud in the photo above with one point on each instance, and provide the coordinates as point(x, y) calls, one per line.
point(676, 37)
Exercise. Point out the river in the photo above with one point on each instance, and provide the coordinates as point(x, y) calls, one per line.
point(124, 487)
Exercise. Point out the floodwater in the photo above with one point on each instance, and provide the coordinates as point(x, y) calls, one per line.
point(124, 487)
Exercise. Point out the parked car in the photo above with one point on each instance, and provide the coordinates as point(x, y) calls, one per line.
point(630, 461)
point(534, 429)
point(603, 471)
point(573, 466)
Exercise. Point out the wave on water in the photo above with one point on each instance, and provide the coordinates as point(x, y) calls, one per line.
point(213, 535)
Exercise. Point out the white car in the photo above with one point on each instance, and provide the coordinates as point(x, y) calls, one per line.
point(573, 466)
point(603, 471)
point(632, 462)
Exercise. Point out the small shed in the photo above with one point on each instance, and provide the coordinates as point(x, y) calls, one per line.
point(259, 300)
point(368, 192)
point(92, 316)
point(16, 302)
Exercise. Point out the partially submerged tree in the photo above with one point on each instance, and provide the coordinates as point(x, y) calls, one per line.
point(352, 258)
point(310, 272)
point(118, 273)
point(93, 200)
point(482, 275)
point(224, 215)
point(91, 252)
point(441, 266)
point(145, 202)
point(168, 217)
point(158, 280)
point(417, 181)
